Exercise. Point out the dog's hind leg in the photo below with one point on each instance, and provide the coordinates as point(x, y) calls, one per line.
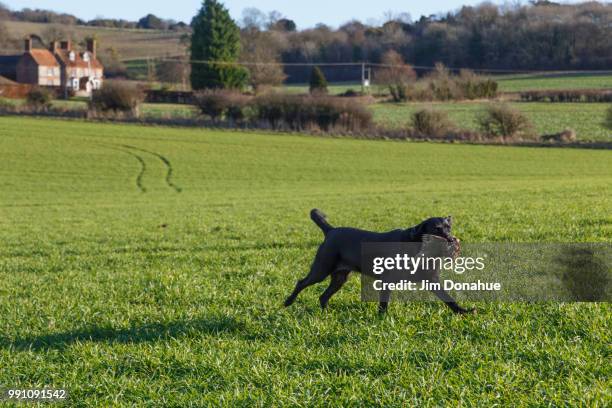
point(322, 266)
point(338, 278)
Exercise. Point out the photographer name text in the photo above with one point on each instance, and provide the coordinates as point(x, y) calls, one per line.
point(406, 285)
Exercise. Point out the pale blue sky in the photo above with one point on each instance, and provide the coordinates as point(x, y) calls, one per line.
point(305, 13)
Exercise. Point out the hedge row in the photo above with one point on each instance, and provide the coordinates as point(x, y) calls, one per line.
point(569, 95)
point(285, 112)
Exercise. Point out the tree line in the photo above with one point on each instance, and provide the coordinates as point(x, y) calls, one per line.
point(541, 35)
point(538, 36)
point(149, 21)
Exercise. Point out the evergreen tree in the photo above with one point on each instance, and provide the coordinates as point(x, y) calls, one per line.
point(216, 37)
point(318, 83)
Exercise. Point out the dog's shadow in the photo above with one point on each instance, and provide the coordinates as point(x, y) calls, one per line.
point(151, 332)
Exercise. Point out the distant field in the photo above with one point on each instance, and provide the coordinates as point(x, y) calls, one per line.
point(514, 83)
point(130, 44)
point(149, 109)
point(333, 88)
point(517, 83)
point(507, 83)
point(150, 264)
point(585, 118)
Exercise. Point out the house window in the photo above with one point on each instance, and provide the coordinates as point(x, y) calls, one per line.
point(86, 57)
point(73, 83)
point(72, 56)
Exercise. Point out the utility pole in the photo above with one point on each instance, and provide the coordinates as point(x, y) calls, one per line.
point(363, 78)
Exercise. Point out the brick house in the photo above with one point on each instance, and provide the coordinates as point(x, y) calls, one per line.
point(61, 66)
point(80, 72)
point(38, 67)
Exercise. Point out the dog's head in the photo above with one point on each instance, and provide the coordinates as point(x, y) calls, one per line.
point(439, 227)
point(438, 230)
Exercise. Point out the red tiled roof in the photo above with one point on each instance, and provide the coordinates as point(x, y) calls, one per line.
point(79, 62)
point(43, 57)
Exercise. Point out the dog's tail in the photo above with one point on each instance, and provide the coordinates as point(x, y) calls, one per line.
point(319, 218)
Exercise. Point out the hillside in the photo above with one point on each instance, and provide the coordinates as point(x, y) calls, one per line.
point(130, 44)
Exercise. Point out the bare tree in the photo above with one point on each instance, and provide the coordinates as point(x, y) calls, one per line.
point(253, 19)
point(113, 66)
point(173, 72)
point(273, 17)
point(262, 51)
point(395, 74)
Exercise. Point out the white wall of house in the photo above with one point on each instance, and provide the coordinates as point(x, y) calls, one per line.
point(49, 76)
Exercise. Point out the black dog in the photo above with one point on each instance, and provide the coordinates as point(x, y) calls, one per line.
point(340, 254)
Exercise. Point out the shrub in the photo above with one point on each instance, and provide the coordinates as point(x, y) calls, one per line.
point(567, 136)
point(399, 93)
point(271, 108)
point(296, 112)
point(503, 120)
point(608, 121)
point(237, 107)
point(117, 97)
point(350, 93)
point(318, 83)
point(431, 123)
point(39, 98)
point(568, 95)
point(6, 104)
point(218, 103)
point(396, 75)
point(472, 86)
point(212, 102)
point(441, 84)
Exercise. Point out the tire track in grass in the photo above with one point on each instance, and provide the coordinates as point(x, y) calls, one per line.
point(167, 164)
point(141, 161)
point(143, 168)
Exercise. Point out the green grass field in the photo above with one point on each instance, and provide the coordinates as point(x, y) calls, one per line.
point(158, 110)
point(334, 88)
point(145, 264)
point(587, 119)
point(544, 81)
point(507, 83)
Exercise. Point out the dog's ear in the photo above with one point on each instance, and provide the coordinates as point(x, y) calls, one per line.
point(450, 220)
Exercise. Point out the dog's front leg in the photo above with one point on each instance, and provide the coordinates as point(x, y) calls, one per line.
point(383, 296)
point(450, 302)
